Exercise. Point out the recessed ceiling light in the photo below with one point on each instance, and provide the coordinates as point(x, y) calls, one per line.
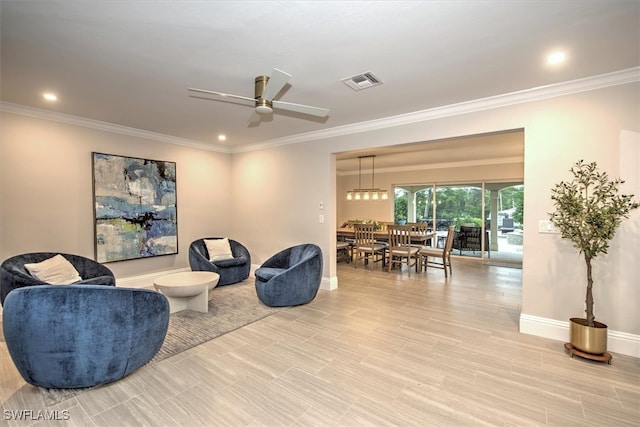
point(222, 137)
point(50, 96)
point(557, 57)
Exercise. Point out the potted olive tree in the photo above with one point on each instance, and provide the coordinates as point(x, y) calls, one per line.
point(588, 210)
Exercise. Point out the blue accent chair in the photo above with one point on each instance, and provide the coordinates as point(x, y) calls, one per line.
point(290, 277)
point(74, 336)
point(14, 275)
point(231, 270)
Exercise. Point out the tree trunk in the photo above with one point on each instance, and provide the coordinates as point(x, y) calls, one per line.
point(589, 300)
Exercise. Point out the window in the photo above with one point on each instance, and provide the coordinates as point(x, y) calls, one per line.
point(492, 212)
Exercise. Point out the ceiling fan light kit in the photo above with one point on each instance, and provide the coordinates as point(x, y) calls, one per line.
point(263, 107)
point(265, 89)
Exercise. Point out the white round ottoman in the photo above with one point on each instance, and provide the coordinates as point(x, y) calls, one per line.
point(187, 290)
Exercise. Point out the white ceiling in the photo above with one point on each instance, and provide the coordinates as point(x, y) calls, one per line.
point(130, 63)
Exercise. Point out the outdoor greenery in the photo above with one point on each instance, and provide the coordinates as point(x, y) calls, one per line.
point(514, 197)
point(400, 206)
point(588, 210)
point(457, 205)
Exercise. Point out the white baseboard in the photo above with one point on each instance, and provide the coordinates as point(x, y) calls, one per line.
point(617, 342)
point(329, 283)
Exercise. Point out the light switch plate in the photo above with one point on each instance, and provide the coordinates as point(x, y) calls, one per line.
point(546, 226)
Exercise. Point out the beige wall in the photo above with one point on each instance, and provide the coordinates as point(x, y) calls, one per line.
point(270, 198)
point(276, 199)
point(46, 190)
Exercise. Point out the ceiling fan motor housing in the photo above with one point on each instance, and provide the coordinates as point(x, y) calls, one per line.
point(263, 106)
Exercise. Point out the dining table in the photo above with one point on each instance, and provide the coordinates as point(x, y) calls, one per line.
point(383, 235)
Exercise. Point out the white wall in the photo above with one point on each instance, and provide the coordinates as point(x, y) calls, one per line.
point(46, 193)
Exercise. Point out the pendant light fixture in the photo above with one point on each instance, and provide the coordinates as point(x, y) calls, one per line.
point(367, 193)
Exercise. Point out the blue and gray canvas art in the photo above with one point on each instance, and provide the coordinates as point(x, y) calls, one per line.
point(135, 207)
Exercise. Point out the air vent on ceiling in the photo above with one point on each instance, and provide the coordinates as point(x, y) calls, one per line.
point(362, 81)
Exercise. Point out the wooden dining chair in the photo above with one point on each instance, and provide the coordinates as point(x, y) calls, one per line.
point(438, 257)
point(400, 250)
point(344, 250)
point(421, 228)
point(366, 247)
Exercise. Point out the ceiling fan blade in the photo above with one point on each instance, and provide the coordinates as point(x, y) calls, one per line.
point(299, 108)
point(225, 95)
point(275, 84)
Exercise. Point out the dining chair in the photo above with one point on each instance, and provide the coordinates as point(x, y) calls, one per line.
point(344, 250)
point(366, 246)
point(421, 228)
point(442, 256)
point(400, 250)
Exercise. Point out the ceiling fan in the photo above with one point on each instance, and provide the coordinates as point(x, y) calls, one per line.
point(266, 87)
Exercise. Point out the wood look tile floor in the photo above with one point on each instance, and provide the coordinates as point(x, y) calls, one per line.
point(385, 349)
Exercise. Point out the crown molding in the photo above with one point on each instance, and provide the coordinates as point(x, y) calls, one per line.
point(443, 165)
point(616, 78)
point(39, 113)
point(630, 75)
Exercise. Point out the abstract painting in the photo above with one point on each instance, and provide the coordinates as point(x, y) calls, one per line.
point(135, 208)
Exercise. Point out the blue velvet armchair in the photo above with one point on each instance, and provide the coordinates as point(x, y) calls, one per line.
point(14, 275)
point(290, 277)
point(232, 270)
point(78, 336)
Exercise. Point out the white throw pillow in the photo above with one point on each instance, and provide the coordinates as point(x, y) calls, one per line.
point(55, 271)
point(218, 249)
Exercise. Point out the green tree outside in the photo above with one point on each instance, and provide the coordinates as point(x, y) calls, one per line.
point(457, 205)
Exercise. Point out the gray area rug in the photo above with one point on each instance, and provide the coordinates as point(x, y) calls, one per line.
point(232, 307)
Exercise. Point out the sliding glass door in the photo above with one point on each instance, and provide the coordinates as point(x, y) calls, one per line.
point(506, 211)
point(458, 205)
point(487, 216)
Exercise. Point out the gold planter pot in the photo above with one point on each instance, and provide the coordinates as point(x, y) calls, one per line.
point(590, 339)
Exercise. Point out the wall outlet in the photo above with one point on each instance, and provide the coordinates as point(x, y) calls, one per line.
point(546, 226)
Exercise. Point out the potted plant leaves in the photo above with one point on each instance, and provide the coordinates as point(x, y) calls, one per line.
point(588, 210)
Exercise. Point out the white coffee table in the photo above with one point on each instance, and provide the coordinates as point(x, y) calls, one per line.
point(187, 290)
